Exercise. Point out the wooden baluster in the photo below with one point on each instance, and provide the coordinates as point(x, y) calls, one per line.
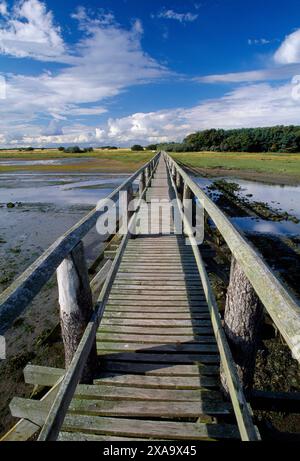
point(242, 325)
point(189, 207)
point(173, 171)
point(129, 199)
point(142, 183)
point(179, 184)
point(125, 213)
point(148, 173)
point(76, 307)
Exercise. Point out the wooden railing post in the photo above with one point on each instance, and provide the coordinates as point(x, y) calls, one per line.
point(179, 184)
point(76, 307)
point(189, 207)
point(142, 183)
point(148, 173)
point(129, 199)
point(173, 171)
point(125, 213)
point(242, 323)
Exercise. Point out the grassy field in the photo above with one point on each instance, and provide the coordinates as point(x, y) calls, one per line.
point(277, 164)
point(121, 160)
point(265, 166)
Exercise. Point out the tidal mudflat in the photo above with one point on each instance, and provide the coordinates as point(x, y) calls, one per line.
point(283, 199)
point(35, 209)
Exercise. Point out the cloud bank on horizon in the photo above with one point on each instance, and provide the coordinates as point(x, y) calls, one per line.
point(81, 82)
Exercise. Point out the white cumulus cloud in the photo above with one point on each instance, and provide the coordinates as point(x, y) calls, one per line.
point(249, 106)
point(107, 60)
point(29, 31)
point(289, 50)
point(3, 8)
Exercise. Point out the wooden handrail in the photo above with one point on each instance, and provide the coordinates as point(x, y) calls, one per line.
point(246, 427)
point(15, 299)
point(280, 305)
point(65, 394)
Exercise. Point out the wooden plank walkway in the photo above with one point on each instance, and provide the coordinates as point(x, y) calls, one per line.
point(158, 355)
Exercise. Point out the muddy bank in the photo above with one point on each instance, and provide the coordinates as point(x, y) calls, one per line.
point(25, 232)
point(267, 178)
point(276, 370)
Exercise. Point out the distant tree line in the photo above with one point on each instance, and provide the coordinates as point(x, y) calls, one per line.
point(269, 139)
point(75, 150)
point(138, 147)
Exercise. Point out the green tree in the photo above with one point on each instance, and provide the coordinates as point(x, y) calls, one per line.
point(137, 148)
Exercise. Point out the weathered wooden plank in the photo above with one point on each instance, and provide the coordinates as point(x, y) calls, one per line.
point(162, 358)
point(25, 429)
point(160, 294)
point(158, 303)
point(185, 267)
point(166, 331)
point(178, 347)
point(164, 271)
point(21, 432)
point(42, 376)
point(159, 297)
point(180, 261)
point(149, 429)
point(153, 430)
point(147, 315)
point(157, 283)
point(176, 289)
point(157, 323)
point(143, 410)
point(157, 309)
point(82, 437)
point(161, 369)
point(155, 339)
point(153, 276)
point(114, 392)
point(158, 381)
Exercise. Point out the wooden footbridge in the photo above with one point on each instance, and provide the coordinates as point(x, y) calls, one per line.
point(143, 363)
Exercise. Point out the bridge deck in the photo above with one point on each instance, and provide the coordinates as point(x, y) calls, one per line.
point(159, 357)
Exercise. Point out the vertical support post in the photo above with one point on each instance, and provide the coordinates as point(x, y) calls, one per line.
point(129, 199)
point(76, 307)
point(173, 171)
point(188, 207)
point(125, 214)
point(148, 173)
point(179, 184)
point(242, 324)
point(142, 183)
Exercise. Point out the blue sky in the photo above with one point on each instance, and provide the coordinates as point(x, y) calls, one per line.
point(103, 72)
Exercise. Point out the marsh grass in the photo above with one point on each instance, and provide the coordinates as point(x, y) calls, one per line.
point(121, 160)
point(274, 163)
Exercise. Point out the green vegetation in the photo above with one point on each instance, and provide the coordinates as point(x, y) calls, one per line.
point(268, 163)
point(137, 148)
point(269, 139)
point(75, 150)
point(116, 160)
point(152, 147)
